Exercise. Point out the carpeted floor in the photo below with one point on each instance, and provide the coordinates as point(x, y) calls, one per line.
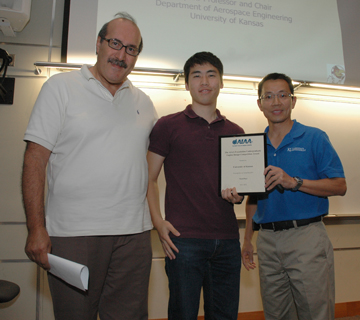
point(349, 318)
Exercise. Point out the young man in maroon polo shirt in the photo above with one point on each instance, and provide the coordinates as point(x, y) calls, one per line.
point(199, 235)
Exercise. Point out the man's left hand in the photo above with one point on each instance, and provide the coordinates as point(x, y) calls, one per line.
point(276, 176)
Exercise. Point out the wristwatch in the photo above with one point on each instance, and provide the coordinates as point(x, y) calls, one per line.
point(299, 184)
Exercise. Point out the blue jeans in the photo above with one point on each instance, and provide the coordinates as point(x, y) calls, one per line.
point(213, 265)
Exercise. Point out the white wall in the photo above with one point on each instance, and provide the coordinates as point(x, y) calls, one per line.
point(34, 302)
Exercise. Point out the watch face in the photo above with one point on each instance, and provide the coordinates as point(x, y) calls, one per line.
point(299, 183)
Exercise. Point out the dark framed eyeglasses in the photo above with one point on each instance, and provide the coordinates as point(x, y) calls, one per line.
point(118, 45)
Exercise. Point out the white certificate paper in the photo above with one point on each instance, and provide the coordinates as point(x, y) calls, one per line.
point(242, 163)
point(71, 272)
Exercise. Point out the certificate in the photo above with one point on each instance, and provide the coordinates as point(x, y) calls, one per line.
point(242, 163)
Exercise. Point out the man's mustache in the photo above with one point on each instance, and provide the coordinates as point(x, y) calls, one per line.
point(120, 63)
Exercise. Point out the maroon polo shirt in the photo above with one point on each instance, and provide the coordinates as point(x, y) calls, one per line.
point(190, 146)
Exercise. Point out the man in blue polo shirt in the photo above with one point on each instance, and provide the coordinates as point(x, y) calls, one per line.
point(296, 262)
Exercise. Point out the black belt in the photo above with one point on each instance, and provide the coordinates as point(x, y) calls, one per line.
point(285, 225)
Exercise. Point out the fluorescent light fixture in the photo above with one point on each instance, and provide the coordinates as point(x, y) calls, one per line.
point(177, 73)
point(240, 78)
point(332, 86)
point(58, 65)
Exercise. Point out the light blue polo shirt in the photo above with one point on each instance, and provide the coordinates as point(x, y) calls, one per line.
point(305, 152)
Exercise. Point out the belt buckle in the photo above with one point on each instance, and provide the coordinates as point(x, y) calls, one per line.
point(284, 225)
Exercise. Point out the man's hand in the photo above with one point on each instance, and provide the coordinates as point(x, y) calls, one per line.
point(247, 255)
point(38, 245)
point(164, 228)
point(231, 195)
point(276, 176)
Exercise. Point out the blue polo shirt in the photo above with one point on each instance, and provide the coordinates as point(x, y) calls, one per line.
point(305, 152)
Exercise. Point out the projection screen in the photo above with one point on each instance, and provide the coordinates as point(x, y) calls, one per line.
point(308, 40)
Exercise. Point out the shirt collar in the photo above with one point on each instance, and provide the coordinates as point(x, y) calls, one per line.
point(296, 131)
point(189, 112)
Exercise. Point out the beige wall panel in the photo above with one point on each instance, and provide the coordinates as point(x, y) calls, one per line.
point(344, 236)
point(347, 279)
point(158, 290)
point(12, 242)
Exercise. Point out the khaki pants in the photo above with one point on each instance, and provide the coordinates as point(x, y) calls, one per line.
point(119, 270)
point(296, 269)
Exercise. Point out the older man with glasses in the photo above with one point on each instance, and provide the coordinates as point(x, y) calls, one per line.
point(90, 128)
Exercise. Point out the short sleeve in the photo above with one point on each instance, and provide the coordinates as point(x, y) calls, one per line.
point(47, 117)
point(327, 160)
point(160, 138)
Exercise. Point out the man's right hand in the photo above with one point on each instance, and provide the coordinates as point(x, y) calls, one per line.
point(163, 229)
point(247, 253)
point(38, 245)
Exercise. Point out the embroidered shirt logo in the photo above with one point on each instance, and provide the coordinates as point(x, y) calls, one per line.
point(296, 149)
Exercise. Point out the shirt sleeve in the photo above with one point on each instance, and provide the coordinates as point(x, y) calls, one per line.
point(328, 162)
point(47, 117)
point(160, 138)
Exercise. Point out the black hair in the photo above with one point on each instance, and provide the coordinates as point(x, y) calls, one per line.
point(202, 58)
point(275, 76)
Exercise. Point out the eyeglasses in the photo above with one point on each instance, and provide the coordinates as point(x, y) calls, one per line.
point(282, 96)
point(118, 45)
